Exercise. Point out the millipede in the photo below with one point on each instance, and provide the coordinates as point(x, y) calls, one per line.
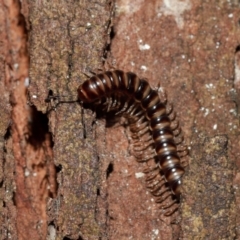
point(149, 118)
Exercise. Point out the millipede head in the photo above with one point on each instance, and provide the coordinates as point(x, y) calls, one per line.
point(83, 94)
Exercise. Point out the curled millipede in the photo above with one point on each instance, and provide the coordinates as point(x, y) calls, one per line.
point(149, 118)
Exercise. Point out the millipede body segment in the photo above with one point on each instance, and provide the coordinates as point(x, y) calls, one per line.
point(127, 95)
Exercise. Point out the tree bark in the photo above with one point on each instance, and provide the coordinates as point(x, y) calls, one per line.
point(63, 173)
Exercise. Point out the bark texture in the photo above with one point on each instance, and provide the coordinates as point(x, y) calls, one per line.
point(63, 173)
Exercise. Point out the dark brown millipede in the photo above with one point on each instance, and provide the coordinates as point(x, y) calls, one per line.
point(127, 95)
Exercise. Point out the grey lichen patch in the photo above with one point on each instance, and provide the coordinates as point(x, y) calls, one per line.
point(78, 178)
point(67, 40)
point(209, 199)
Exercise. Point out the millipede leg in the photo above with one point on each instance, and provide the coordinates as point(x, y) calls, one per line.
point(152, 175)
point(174, 125)
point(152, 183)
point(161, 93)
point(150, 169)
point(172, 116)
point(184, 161)
point(177, 131)
point(155, 191)
point(163, 195)
point(171, 211)
point(178, 140)
point(169, 108)
point(144, 158)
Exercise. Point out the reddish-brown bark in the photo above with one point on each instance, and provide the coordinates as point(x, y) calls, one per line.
point(30, 143)
point(99, 189)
